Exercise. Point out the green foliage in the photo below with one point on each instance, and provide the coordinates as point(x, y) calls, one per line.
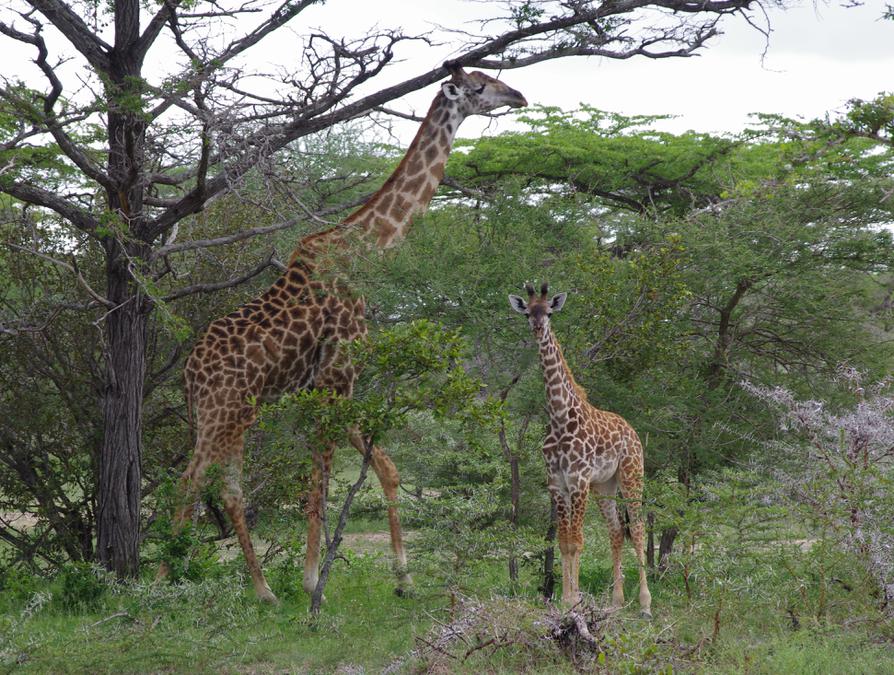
point(18, 583)
point(604, 155)
point(81, 587)
point(405, 369)
point(185, 552)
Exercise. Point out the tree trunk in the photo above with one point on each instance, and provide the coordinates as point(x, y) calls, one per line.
point(549, 556)
point(725, 329)
point(126, 249)
point(515, 491)
point(118, 517)
point(316, 598)
point(666, 547)
point(515, 476)
point(650, 540)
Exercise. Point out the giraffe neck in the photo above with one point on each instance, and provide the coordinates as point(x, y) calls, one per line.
point(385, 218)
point(562, 392)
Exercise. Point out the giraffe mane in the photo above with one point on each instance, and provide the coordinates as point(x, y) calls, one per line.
point(579, 390)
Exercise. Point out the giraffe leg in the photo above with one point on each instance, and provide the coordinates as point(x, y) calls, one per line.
point(632, 491)
point(231, 494)
point(185, 499)
point(319, 479)
point(609, 508)
point(389, 479)
point(578, 511)
point(570, 511)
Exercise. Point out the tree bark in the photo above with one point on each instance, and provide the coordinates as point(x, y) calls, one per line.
point(316, 599)
point(666, 547)
point(720, 357)
point(127, 249)
point(515, 491)
point(118, 518)
point(650, 540)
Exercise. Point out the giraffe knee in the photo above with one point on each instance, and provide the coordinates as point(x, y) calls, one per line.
point(389, 478)
point(570, 543)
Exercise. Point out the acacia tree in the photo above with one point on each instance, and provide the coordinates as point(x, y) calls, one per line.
point(135, 152)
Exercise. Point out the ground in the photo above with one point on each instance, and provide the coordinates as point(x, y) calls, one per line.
point(216, 625)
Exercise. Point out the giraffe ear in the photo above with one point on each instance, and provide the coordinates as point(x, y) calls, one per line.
point(518, 304)
point(557, 302)
point(451, 91)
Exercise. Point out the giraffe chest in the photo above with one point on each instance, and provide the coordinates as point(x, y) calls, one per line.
point(582, 447)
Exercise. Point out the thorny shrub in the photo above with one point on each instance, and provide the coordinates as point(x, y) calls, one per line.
point(835, 462)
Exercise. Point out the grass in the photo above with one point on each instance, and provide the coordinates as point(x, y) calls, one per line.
point(216, 625)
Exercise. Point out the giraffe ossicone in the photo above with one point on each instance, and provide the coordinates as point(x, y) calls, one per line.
point(289, 337)
point(585, 449)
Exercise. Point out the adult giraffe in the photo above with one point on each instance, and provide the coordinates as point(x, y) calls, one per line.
point(288, 338)
point(585, 448)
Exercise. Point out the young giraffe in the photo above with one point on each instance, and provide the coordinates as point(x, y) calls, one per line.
point(288, 338)
point(586, 448)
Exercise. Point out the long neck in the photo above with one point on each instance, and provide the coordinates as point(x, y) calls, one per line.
point(561, 389)
point(385, 218)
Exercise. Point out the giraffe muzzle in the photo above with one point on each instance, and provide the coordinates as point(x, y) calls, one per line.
point(517, 99)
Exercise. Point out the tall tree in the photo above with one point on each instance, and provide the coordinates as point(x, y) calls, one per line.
point(150, 150)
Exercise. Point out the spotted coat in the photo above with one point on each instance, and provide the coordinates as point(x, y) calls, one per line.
point(585, 449)
point(288, 338)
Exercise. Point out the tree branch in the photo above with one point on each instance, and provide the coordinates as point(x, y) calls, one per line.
point(71, 268)
point(228, 283)
point(72, 26)
point(68, 146)
point(80, 218)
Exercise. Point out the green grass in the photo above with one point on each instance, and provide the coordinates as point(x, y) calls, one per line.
point(218, 626)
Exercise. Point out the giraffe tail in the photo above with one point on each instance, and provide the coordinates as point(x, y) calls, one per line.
point(624, 517)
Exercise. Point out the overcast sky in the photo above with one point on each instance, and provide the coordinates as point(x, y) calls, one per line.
point(818, 57)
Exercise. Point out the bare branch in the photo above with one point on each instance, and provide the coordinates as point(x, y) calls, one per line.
point(68, 146)
point(228, 283)
point(317, 216)
point(398, 113)
point(71, 268)
point(72, 26)
point(153, 29)
point(80, 218)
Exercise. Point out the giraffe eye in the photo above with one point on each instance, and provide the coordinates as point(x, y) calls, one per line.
point(480, 89)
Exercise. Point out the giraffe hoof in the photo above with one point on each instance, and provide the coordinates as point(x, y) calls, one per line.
point(405, 592)
point(266, 595)
point(163, 572)
point(646, 614)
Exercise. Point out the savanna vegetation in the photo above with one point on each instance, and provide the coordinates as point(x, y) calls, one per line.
point(730, 296)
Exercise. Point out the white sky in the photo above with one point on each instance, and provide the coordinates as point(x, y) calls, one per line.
point(819, 56)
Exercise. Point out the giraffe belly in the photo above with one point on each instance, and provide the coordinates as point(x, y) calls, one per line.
point(292, 371)
point(602, 470)
point(585, 463)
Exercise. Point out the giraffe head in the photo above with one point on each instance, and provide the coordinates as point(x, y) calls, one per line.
point(538, 309)
point(476, 93)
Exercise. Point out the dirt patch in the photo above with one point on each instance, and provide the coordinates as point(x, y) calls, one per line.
point(20, 521)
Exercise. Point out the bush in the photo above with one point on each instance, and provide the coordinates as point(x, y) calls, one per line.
point(82, 587)
point(17, 582)
point(834, 467)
